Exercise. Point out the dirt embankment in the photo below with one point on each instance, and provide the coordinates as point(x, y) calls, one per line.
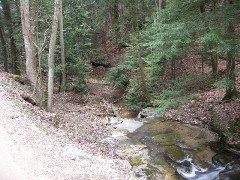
point(34, 149)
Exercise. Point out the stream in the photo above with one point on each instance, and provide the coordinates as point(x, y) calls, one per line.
point(159, 149)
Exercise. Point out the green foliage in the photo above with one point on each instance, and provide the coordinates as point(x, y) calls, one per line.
point(166, 94)
point(220, 83)
point(119, 76)
point(59, 69)
point(135, 96)
point(169, 99)
point(193, 82)
point(77, 42)
point(178, 93)
point(165, 42)
point(233, 130)
point(136, 161)
point(79, 68)
point(213, 40)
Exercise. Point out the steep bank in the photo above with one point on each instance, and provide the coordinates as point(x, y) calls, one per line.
point(40, 150)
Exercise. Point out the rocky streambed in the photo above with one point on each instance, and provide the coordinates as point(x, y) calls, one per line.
point(159, 149)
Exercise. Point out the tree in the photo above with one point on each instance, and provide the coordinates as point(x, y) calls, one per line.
point(231, 90)
point(63, 77)
point(13, 47)
point(28, 36)
point(51, 54)
point(4, 47)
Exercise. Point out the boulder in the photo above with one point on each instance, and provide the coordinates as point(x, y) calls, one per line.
point(227, 126)
point(230, 172)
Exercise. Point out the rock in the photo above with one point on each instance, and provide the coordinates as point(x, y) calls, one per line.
point(223, 158)
point(219, 121)
point(29, 99)
point(18, 78)
point(125, 113)
point(175, 153)
point(148, 113)
point(231, 172)
point(226, 126)
point(166, 139)
point(101, 62)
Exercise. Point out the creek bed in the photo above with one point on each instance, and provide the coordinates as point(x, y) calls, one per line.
point(159, 149)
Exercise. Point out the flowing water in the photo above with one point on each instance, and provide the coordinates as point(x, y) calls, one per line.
point(159, 149)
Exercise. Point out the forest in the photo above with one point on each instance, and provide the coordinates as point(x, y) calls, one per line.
point(173, 60)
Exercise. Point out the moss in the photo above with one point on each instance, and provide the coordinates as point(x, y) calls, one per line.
point(159, 160)
point(174, 152)
point(197, 96)
point(18, 78)
point(56, 121)
point(167, 139)
point(148, 172)
point(136, 161)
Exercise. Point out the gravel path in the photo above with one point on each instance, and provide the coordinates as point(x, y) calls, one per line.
point(31, 150)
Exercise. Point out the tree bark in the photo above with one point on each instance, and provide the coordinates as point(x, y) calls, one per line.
point(4, 48)
point(51, 54)
point(214, 62)
point(63, 85)
point(33, 26)
point(231, 90)
point(30, 54)
point(7, 14)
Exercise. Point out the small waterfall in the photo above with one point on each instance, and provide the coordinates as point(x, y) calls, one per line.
point(193, 172)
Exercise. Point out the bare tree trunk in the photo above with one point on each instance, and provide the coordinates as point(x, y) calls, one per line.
point(214, 61)
point(7, 14)
point(29, 35)
point(231, 90)
point(63, 85)
point(4, 48)
point(33, 25)
point(162, 4)
point(31, 68)
point(173, 69)
point(51, 54)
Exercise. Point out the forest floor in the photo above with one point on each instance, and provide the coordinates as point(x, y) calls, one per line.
point(36, 144)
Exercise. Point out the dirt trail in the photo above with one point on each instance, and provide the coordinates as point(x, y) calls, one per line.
point(30, 150)
point(9, 168)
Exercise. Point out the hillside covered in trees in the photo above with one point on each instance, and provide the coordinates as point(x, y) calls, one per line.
point(170, 59)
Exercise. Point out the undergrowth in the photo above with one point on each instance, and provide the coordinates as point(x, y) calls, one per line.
point(179, 93)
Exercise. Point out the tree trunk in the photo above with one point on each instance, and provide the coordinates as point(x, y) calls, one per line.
point(7, 14)
point(173, 69)
point(214, 62)
point(51, 54)
point(63, 85)
point(4, 48)
point(146, 96)
point(162, 4)
point(30, 54)
point(33, 26)
point(231, 90)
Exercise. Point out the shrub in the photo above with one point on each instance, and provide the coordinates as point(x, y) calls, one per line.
point(136, 99)
point(80, 70)
point(119, 77)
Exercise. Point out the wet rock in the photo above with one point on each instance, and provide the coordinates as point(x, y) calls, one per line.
point(224, 157)
point(175, 153)
point(166, 139)
point(148, 113)
point(231, 172)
